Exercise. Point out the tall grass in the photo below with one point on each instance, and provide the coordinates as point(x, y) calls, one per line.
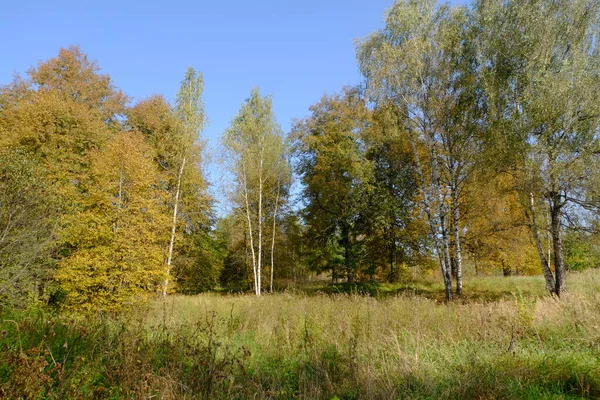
point(322, 346)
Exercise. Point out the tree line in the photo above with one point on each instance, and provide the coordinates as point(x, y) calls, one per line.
point(471, 146)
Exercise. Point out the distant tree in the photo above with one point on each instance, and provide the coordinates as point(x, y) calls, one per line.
point(582, 250)
point(497, 236)
point(256, 145)
point(336, 175)
point(237, 266)
point(388, 217)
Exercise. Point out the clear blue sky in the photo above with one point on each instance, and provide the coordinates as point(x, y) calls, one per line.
point(294, 50)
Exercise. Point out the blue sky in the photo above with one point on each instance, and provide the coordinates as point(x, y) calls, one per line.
point(294, 50)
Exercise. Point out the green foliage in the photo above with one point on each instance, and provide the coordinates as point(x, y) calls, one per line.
point(394, 230)
point(199, 263)
point(336, 175)
point(581, 251)
point(28, 214)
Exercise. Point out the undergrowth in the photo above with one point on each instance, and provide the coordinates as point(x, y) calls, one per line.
point(322, 346)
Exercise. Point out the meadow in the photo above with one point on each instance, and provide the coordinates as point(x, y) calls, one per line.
point(504, 339)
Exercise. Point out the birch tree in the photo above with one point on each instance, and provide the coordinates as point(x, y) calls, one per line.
point(183, 152)
point(255, 143)
point(540, 70)
point(416, 63)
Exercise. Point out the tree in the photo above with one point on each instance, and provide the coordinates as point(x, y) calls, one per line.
point(182, 151)
point(255, 142)
point(73, 77)
point(387, 218)
point(422, 63)
point(113, 246)
point(65, 110)
point(336, 175)
point(28, 216)
point(62, 114)
point(196, 259)
point(540, 64)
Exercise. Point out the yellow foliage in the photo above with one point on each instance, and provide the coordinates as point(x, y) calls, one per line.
point(117, 243)
point(498, 237)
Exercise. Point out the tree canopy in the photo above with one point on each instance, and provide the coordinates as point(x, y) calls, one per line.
point(471, 146)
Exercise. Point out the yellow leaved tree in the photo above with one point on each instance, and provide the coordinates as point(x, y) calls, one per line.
point(118, 240)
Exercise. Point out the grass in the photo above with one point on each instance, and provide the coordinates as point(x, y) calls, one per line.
point(505, 339)
point(477, 288)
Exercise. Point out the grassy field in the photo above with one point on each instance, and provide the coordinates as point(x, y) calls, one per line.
point(505, 339)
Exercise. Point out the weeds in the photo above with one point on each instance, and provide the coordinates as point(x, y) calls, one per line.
point(344, 346)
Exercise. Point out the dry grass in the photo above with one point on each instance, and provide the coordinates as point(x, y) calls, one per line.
point(387, 347)
point(291, 345)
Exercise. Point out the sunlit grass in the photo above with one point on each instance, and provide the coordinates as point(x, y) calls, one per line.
point(504, 339)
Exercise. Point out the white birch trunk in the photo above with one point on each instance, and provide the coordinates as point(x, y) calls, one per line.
point(433, 224)
point(259, 256)
point(249, 219)
point(274, 226)
point(173, 229)
point(457, 247)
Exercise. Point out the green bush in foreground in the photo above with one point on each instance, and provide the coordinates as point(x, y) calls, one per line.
point(311, 347)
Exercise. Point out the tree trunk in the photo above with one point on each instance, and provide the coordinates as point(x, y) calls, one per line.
point(173, 228)
point(393, 259)
point(559, 265)
point(249, 219)
point(457, 247)
point(433, 222)
point(540, 247)
point(274, 226)
point(347, 262)
point(247, 263)
point(333, 273)
point(446, 255)
point(506, 270)
point(259, 260)
point(443, 226)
